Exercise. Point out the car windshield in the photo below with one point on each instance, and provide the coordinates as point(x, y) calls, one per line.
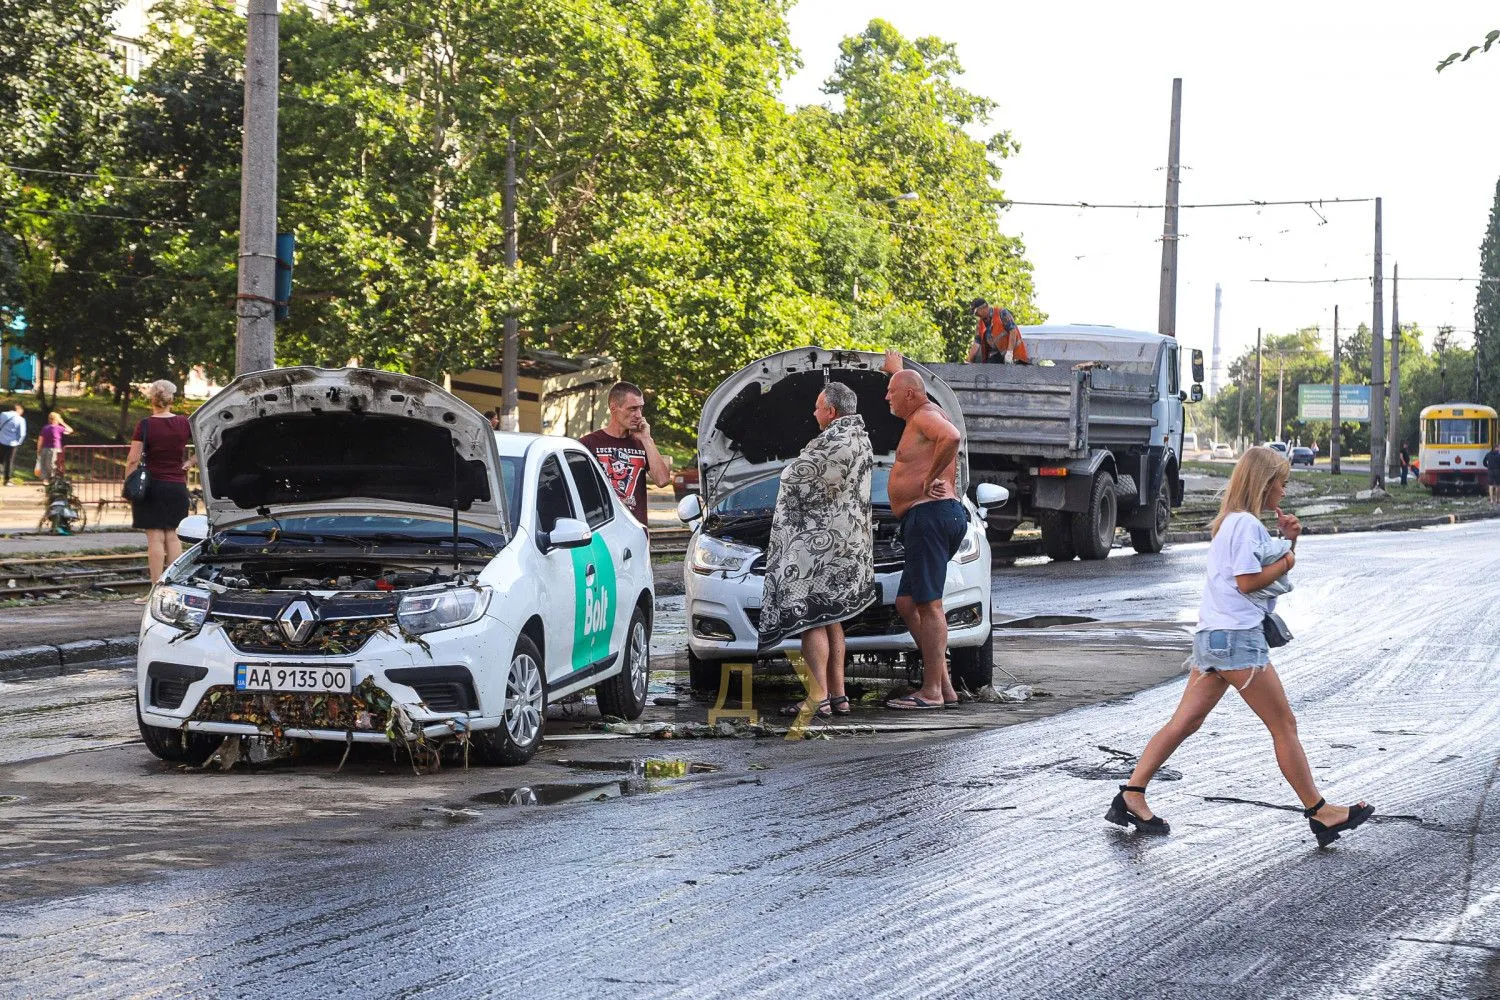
point(374, 531)
point(759, 498)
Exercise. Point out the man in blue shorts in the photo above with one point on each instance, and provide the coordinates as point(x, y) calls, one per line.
point(924, 495)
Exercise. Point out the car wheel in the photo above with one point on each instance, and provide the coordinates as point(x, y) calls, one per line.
point(520, 731)
point(624, 694)
point(1094, 529)
point(1153, 539)
point(176, 745)
point(1057, 534)
point(703, 675)
point(973, 667)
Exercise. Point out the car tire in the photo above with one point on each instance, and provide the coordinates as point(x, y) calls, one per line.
point(1094, 529)
point(524, 722)
point(703, 675)
point(1057, 534)
point(176, 745)
point(624, 695)
point(1153, 539)
point(973, 667)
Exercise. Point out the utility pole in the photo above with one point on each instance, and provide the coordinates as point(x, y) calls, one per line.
point(1213, 373)
point(1259, 389)
point(1377, 370)
point(1393, 465)
point(1239, 417)
point(1280, 395)
point(1166, 313)
point(1335, 439)
point(255, 303)
point(510, 414)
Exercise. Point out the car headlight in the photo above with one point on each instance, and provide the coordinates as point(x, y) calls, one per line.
point(431, 611)
point(713, 555)
point(969, 550)
point(181, 606)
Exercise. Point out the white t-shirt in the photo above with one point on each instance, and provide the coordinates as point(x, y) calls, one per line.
point(1230, 554)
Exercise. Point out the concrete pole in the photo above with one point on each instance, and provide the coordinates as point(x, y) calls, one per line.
point(510, 414)
point(1259, 389)
point(1377, 369)
point(1213, 373)
point(1335, 438)
point(1166, 313)
point(1393, 466)
point(255, 305)
point(1280, 395)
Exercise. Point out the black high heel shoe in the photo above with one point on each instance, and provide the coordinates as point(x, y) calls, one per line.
point(1120, 815)
point(1328, 834)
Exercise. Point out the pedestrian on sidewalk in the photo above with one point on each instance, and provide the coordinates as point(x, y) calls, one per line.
point(820, 563)
point(161, 442)
point(1405, 461)
point(625, 449)
point(924, 494)
point(49, 447)
point(1492, 466)
point(1230, 650)
point(12, 436)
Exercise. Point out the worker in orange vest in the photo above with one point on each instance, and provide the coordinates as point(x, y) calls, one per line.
point(998, 338)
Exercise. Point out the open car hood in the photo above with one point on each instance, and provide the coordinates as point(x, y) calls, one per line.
point(762, 416)
point(307, 438)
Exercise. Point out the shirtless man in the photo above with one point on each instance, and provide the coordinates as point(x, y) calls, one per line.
point(933, 523)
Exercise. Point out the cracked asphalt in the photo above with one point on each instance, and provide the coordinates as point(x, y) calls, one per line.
point(971, 865)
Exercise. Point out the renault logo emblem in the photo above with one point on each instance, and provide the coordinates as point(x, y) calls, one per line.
point(297, 621)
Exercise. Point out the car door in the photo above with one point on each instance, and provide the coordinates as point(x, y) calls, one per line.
point(617, 542)
point(599, 591)
point(555, 576)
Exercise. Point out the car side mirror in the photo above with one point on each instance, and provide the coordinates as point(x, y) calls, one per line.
point(1197, 394)
point(192, 529)
point(991, 495)
point(690, 508)
point(568, 533)
point(1197, 365)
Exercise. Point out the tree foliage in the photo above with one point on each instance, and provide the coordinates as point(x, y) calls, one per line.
point(1487, 313)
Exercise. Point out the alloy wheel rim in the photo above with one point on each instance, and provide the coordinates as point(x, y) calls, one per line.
point(523, 699)
point(638, 658)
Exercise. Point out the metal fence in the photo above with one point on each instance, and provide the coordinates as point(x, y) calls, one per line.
point(97, 472)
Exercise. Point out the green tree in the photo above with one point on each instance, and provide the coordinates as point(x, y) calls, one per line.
point(1487, 313)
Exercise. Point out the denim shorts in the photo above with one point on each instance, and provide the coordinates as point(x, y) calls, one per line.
point(1230, 649)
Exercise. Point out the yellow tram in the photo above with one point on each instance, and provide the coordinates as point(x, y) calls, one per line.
point(1455, 437)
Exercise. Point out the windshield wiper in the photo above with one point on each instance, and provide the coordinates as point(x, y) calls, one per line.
point(277, 536)
point(432, 541)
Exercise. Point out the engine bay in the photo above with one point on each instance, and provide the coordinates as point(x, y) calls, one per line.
point(345, 575)
point(755, 530)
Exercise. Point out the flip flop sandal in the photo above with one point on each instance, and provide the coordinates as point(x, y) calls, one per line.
point(793, 711)
point(911, 702)
point(951, 704)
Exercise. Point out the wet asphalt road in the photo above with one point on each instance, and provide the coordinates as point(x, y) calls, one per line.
point(973, 867)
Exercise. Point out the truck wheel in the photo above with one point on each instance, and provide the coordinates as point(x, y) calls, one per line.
point(1057, 534)
point(1153, 539)
point(175, 745)
point(1094, 529)
point(973, 667)
point(703, 675)
point(624, 694)
point(520, 731)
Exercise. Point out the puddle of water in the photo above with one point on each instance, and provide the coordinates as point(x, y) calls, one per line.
point(6, 800)
point(1115, 772)
point(649, 768)
point(1045, 621)
point(560, 794)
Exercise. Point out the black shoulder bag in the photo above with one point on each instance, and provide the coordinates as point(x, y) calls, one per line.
point(1277, 634)
point(134, 489)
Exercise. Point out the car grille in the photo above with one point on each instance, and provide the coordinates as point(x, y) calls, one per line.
point(880, 619)
point(339, 637)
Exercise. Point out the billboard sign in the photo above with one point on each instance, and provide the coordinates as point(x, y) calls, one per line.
point(1315, 402)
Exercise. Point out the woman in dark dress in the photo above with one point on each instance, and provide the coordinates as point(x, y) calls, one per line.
point(162, 438)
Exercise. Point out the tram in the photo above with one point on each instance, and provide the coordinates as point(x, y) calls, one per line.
point(1455, 437)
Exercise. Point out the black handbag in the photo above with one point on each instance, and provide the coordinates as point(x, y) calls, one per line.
point(1277, 634)
point(134, 489)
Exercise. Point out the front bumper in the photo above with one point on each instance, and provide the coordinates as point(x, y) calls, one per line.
point(173, 679)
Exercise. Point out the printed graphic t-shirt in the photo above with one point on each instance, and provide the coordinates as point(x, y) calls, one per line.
point(1230, 554)
point(624, 462)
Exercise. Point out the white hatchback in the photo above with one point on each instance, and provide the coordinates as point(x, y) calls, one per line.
point(752, 424)
point(378, 566)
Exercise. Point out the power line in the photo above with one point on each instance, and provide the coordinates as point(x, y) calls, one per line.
point(99, 215)
point(1309, 202)
point(108, 177)
point(1367, 279)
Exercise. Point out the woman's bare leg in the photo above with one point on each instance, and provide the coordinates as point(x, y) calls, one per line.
point(1267, 699)
point(815, 653)
point(1199, 698)
point(836, 661)
point(156, 552)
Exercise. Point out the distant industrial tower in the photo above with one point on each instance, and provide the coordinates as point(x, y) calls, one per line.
point(1214, 372)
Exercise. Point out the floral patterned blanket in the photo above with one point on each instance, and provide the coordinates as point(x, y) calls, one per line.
point(820, 564)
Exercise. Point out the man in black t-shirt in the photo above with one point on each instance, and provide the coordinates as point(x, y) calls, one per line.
point(625, 449)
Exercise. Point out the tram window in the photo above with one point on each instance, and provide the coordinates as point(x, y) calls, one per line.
point(1459, 431)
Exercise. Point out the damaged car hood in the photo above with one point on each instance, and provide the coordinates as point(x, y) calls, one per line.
point(306, 439)
point(762, 416)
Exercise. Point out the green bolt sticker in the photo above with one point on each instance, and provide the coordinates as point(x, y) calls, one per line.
point(593, 602)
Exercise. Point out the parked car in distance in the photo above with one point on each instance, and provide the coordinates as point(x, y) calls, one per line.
point(1302, 456)
point(1278, 446)
point(685, 481)
point(1222, 450)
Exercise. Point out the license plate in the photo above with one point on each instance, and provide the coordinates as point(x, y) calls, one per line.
point(317, 678)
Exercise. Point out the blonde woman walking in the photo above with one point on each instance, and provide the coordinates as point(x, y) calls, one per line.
point(161, 442)
point(1230, 650)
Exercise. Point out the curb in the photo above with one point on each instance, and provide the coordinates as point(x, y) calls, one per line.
point(49, 660)
point(1401, 524)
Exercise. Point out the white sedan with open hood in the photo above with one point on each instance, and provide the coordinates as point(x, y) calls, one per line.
point(752, 425)
point(380, 566)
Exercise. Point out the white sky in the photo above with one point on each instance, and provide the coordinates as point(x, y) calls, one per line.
point(1318, 99)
